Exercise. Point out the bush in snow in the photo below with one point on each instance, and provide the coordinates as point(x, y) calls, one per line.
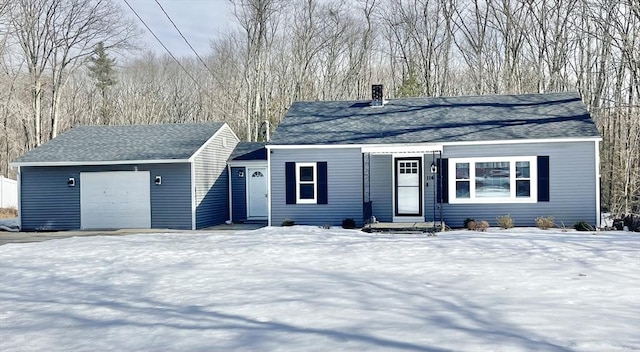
point(348, 224)
point(467, 221)
point(287, 222)
point(583, 226)
point(544, 222)
point(481, 225)
point(505, 221)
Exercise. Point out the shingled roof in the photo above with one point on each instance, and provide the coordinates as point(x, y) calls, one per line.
point(437, 120)
point(246, 151)
point(118, 144)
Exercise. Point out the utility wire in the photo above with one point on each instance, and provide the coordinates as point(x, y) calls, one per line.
point(161, 43)
point(183, 37)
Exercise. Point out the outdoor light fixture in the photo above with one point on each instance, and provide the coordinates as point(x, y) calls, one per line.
point(71, 182)
point(434, 168)
point(241, 174)
point(158, 180)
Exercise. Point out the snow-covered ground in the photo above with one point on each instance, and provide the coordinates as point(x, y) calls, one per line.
point(312, 289)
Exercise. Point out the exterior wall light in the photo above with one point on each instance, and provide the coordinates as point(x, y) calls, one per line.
point(71, 182)
point(241, 173)
point(434, 168)
point(158, 180)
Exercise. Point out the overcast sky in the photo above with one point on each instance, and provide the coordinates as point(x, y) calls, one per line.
point(199, 21)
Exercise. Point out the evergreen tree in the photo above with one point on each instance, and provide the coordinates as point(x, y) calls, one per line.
point(410, 87)
point(101, 68)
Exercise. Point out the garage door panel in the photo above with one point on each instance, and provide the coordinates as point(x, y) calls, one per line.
point(118, 199)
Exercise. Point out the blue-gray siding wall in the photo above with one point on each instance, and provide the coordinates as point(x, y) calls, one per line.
point(212, 180)
point(573, 185)
point(48, 204)
point(431, 208)
point(344, 186)
point(381, 176)
point(239, 194)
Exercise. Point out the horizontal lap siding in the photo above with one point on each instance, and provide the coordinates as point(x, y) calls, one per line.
point(344, 186)
point(212, 180)
point(48, 204)
point(171, 201)
point(381, 177)
point(239, 194)
point(573, 185)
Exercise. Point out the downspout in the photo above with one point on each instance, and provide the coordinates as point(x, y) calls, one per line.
point(268, 185)
point(598, 185)
point(230, 194)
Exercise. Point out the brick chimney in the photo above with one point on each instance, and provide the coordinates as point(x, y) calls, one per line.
point(377, 96)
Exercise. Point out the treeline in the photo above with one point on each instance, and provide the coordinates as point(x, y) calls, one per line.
point(55, 75)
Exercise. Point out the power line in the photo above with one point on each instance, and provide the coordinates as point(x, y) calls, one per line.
point(183, 37)
point(161, 43)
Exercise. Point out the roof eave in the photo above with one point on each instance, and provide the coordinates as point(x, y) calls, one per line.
point(506, 141)
point(96, 163)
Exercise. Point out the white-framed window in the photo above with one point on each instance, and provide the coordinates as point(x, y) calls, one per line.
point(306, 183)
point(493, 180)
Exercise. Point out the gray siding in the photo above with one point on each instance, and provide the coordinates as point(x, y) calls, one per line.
point(48, 204)
point(573, 185)
point(212, 181)
point(382, 187)
point(344, 178)
point(239, 194)
point(431, 208)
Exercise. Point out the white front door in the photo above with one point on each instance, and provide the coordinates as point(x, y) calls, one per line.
point(257, 193)
point(115, 200)
point(408, 187)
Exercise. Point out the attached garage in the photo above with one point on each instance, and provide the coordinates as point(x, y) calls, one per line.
point(171, 176)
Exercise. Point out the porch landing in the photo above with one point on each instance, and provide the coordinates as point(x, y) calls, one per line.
point(404, 227)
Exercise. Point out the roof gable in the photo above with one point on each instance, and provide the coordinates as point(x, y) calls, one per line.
point(437, 120)
point(118, 144)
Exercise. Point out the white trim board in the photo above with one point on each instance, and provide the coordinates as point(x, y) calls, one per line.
point(97, 163)
point(443, 144)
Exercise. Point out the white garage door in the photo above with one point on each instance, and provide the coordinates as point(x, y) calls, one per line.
point(115, 200)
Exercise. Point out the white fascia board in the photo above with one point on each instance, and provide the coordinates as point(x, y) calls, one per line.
point(402, 149)
point(525, 141)
point(205, 144)
point(94, 163)
point(434, 146)
point(248, 163)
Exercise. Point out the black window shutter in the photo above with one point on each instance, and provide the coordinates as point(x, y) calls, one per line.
point(290, 180)
point(543, 178)
point(322, 183)
point(443, 186)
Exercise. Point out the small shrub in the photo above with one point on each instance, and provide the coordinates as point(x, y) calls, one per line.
point(287, 222)
point(583, 226)
point(471, 225)
point(544, 222)
point(326, 226)
point(467, 221)
point(348, 224)
point(505, 221)
point(482, 225)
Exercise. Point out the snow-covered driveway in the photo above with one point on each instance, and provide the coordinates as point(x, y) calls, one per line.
point(311, 289)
